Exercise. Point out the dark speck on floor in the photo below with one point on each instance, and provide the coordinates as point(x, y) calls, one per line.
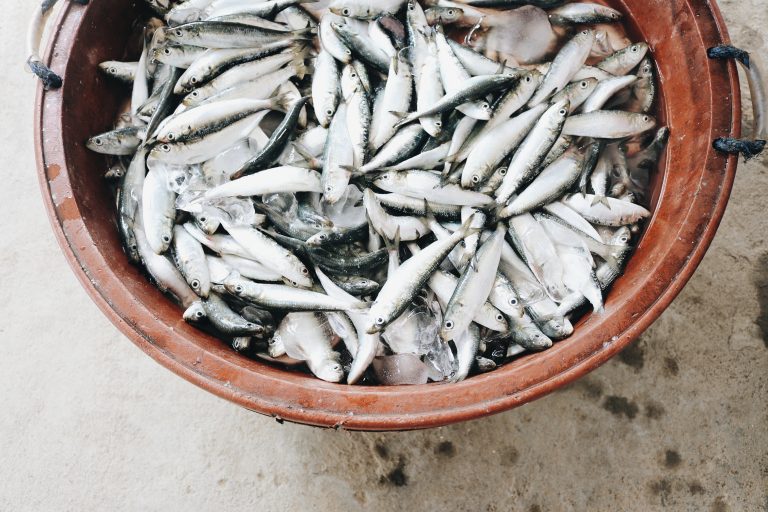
point(672, 459)
point(397, 476)
point(719, 505)
point(621, 406)
point(654, 411)
point(446, 449)
point(760, 279)
point(381, 450)
point(634, 355)
point(671, 367)
point(695, 488)
point(662, 488)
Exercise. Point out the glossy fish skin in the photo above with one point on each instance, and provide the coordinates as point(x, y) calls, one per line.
point(496, 144)
point(190, 260)
point(391, 227)
point(624, 60)
point(397, 98)
point(178, 55)
point(532, 152)
point(362, 46)
point(286, 298)
point(283, 179)
point(277, 140)
point(605, 90)
point(608, 124)
point(614, 212)
point(338, 158)
point(123, 141)
point(365, 9)
point(123, 71)
point(227, 321)
point(425, 185)
point(567, 63)
point(473, 288)
point(444, 284)
point(218, 34)
point(445, 15)
point(326, 87)
point(575, 13)
point(411, 276)
point(577, 92)
point(358, 112)
point(411, 206)
point(550, 184)
point(158, 210)
point(267, 251)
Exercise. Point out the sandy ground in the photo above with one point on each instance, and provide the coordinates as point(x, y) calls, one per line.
point(678, 421)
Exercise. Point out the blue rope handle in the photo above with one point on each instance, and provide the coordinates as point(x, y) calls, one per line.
point(746, 147)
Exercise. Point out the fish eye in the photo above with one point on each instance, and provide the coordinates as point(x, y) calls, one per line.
point(98, 141)
point(199, 314)
point(203, 219)
point(193, 80)
point(562, 112)
point(450, 12)
point(624, 239)
point(583, 84)
point(513, 301)
point(528, 78)
point(305, 271)
point(178, 32)
point(379, 321)
point(165, 147)
point(113, 70)
point(499, 317)
point(328, 188)
point(411, 7)
point(614, 15)
point(166, 238)
point(486, 106)
point(167, 51)
point(195, 284)
point(239, 288)
point(585, 32)
point(171, 136)
point(195, 94)
point(633, 49)
point(345, 11)
point(503, 171)
point(646, 118)
point(348, 51)
point(449, 325)
point(439, 124)
point(329, 112)
point(475, 178)
point(353, 74)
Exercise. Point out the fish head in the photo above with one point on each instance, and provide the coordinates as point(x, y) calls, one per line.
point(557, 328)
point(234, 284)
point(329, 370)
point(532, 338)
point(195, 312)
point(276, 346)
point(643, 122)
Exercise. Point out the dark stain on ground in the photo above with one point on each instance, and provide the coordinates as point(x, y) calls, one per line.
point(397, 476)
point(446, 449)
point(654, 411)
point(662, 488)
point(760, 278)
point(719, 505)
point(695, 488)
point(381, 450)
point(672, 459)
point(633, 355)
point(671, 367)
point(621, 406)
point(589, 387)
point(535, 508)
point(509, 456)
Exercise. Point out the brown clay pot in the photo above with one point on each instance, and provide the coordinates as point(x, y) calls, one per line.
point(700, 103)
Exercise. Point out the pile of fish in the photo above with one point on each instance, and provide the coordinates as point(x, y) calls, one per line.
point(343, 187)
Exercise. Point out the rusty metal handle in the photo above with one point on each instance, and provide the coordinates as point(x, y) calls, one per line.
point(757, 87)
point(34, 35)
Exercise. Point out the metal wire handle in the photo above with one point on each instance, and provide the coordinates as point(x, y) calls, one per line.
point(34, 35)
point(746, 147)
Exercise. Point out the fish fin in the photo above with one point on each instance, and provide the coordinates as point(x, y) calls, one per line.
point(600, 199)
point(304, 33)
point(283, 101)
point(302, 70)
point(394, 244)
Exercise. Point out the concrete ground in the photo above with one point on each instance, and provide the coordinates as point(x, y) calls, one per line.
point(679, 421)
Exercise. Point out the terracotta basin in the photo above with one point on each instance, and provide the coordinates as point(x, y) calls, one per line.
point(700, 103)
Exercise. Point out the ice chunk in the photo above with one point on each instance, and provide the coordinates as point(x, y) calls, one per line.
point(415, 331)
point(524, 33)
point(348, 211)
point(441, 361)
point(218, 169)
point(400, 369)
